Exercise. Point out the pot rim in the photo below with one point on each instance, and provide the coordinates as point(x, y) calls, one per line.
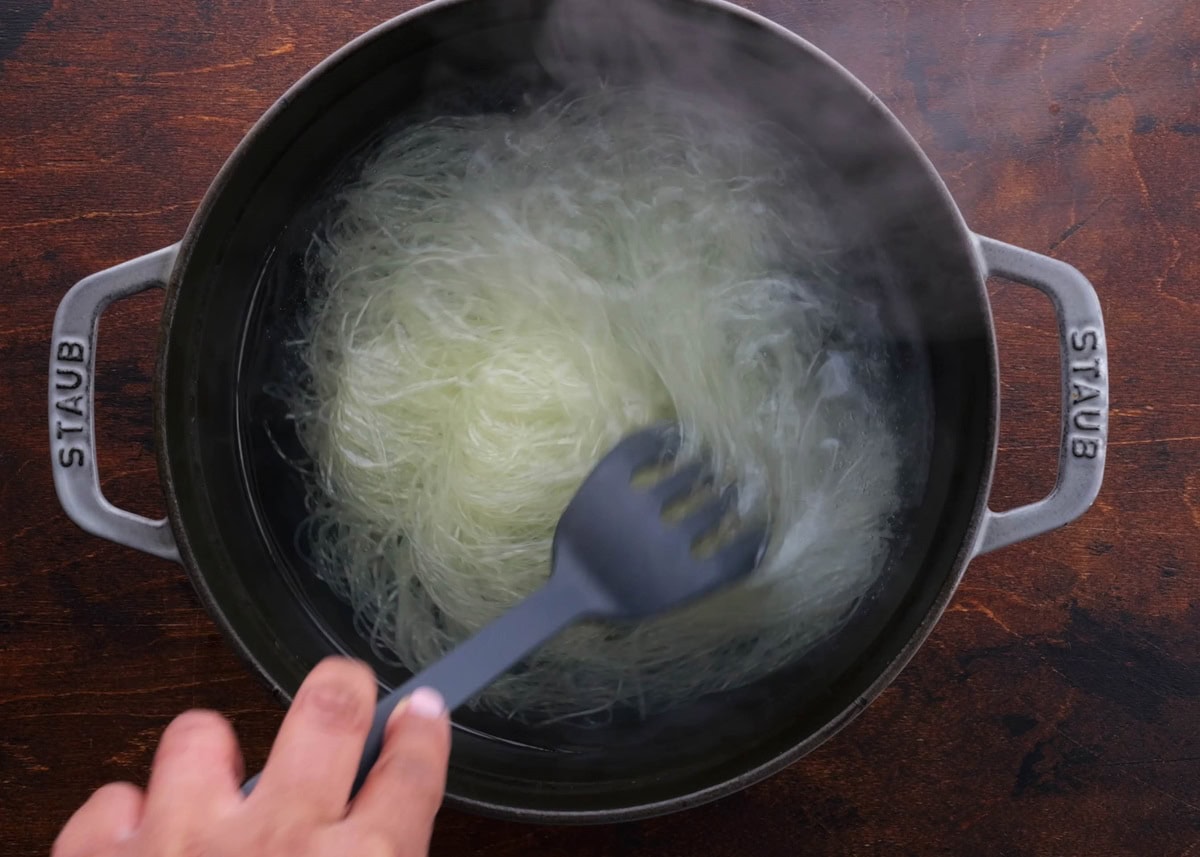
point(782, 760)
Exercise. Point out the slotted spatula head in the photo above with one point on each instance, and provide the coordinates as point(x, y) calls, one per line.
point(637, 559)
point(616, 556)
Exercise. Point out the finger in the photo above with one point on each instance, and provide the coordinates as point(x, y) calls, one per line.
point(312, 766)
point(196, 772)
point(404, 790)
point(111, 814)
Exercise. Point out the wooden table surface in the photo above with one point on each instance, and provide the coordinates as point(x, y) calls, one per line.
point(1056, 708)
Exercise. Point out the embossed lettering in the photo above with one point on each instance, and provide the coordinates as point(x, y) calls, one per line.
point(70, 457)
point(1087, 420)
point(70, 405)
point(1092, 366)
point(1081, 392)
point(1085, 340)
point(1090, 420)
point(70, 352)
point(74, 374)
point(62, 430)
point(68, 379)
point(1085, 447)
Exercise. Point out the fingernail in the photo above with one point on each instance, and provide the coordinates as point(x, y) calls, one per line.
point(426, 702)
point(397, 712)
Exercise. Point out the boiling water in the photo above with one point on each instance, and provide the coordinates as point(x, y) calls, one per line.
point(492, 300)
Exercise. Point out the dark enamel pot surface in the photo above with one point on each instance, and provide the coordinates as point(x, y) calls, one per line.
point(232, 276)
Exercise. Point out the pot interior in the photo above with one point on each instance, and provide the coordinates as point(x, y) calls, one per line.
point(236, 503)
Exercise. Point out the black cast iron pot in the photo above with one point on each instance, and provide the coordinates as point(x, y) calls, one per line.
point(232, 277)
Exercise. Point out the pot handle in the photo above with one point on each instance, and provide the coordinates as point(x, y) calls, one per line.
point(1084, 355)
point(72, 381)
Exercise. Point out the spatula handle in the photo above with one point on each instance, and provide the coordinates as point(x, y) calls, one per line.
point(476, 663)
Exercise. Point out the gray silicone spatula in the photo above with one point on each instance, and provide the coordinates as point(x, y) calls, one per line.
point(615, 557)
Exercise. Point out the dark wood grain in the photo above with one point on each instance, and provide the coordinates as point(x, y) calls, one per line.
point(1055, 708)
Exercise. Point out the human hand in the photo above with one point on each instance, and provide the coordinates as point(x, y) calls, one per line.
point(193, 806)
